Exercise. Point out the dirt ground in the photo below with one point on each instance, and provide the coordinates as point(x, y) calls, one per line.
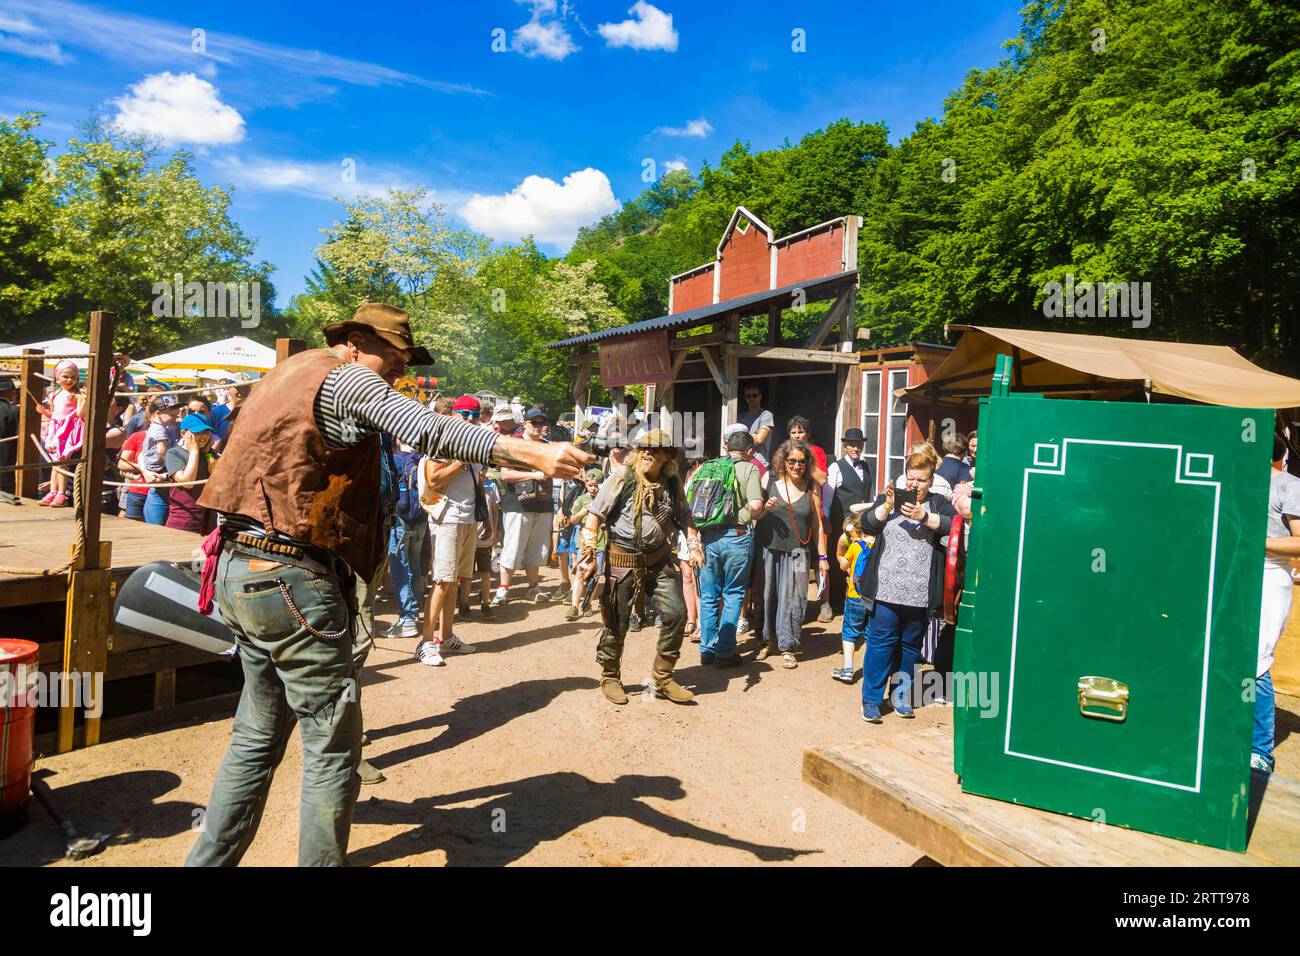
point(511, 755)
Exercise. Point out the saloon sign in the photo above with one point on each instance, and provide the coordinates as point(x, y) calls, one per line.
point(636, 360)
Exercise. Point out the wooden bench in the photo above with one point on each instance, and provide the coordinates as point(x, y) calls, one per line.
point(904, 784)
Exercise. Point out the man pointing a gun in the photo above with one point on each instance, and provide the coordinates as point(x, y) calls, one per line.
point(298, 490)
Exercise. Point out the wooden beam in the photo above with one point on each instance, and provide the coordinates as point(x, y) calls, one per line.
point(774, 325)
point(716, 372)
point(582, 359)
point(31, 391)
point(85, 647)
point(839, 310)
point(286, 348)
point(714, 337)
point(793, 354)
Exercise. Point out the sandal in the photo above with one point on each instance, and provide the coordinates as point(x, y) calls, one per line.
point(788, 661)
point(693, 632)
point(764, 651)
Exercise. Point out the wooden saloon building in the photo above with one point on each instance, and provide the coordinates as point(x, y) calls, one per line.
point(692, 359)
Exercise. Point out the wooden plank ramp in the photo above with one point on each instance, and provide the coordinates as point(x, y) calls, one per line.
point(905, 785)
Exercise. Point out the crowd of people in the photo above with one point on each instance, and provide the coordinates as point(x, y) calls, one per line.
point(707, 552)
point(729, 546)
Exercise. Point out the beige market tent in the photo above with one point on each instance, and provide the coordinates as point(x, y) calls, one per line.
point(1061, 363)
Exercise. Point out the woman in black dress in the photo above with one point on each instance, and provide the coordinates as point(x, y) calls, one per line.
point(789, 531)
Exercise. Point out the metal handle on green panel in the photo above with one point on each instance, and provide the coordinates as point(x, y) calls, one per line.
point(1103, 692)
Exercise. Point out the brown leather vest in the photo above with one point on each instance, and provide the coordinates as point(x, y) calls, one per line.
point(277, 469)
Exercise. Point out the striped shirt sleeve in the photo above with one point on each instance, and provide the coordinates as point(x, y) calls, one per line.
point(354, 402)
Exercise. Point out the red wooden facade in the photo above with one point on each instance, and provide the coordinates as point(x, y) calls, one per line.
point(751, 259)
point(889, 423)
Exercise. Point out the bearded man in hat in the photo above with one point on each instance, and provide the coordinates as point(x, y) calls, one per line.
point(642, 509)
point(302, 525)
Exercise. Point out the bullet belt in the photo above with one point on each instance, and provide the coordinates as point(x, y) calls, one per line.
point(624, 558)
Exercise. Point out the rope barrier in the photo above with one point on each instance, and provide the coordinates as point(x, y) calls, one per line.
point(192, 390)
point(150, 484)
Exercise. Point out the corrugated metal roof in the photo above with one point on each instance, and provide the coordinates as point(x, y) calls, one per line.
point(757, 302)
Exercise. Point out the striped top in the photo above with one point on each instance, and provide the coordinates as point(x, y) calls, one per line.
point(354, 402)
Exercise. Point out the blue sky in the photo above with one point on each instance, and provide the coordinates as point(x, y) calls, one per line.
point(543, 137)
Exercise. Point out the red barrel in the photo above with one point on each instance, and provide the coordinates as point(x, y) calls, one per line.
point(18, 660)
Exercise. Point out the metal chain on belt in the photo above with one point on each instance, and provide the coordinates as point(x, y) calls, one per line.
point(293, 608)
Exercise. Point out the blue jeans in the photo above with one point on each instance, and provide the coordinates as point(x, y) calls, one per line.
point(894, 637)
point(723, 583)
point(133, 505)
point(1261, 738)
point(290, 676)
point(155, 507)
point(855, 621)
point(405, 545)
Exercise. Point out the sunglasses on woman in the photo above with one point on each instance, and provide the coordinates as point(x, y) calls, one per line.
point(466, 413)
point(796, 461)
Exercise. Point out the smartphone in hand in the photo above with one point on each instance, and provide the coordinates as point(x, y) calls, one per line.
point(904, 497)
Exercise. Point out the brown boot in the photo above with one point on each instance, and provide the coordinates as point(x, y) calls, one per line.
point(665, 686)
point(611, 685)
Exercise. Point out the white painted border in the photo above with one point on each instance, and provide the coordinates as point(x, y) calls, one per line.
point(1179, 471)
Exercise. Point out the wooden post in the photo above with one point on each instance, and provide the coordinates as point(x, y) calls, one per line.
point(731, 378)
point(30, 391)
point(580, 394)
point(88, 617)
point(284, 348)
point(774, 325)
point(849, 377)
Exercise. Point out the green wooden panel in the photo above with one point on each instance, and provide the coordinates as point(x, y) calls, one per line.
point(1121, 542)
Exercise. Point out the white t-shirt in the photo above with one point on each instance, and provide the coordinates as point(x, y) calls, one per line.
point(455, 504)
point(1283, 499)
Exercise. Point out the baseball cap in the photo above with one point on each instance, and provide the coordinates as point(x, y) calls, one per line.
point(594, 474)
point(734, 428)
point(535, 412)
point(195, 423)
point(503, 413)
point(466, 403)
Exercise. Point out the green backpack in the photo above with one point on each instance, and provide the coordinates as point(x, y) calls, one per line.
point(711, 493)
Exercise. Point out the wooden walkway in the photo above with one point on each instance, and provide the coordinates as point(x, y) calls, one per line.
point(36, 537)
point(905, 784)
point(33, 537)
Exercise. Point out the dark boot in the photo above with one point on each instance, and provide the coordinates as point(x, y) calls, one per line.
point(665, 686)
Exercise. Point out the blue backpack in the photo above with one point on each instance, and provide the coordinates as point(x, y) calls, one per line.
point(409, 508)
point(860, 566)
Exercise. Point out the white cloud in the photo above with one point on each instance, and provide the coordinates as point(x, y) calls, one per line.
point(285, 74)
point(178, 108)
point(541, 207)
point(672, 165)
point(543, 35)
point(651, 29)
point(21, 37)
point(344, 179)
point(696, 127)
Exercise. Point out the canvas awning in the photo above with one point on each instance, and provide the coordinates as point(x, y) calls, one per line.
point(236, 354)
point(1066, 363)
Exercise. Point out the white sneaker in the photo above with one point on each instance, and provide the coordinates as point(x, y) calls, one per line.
point(454, 645)
point(539, 597)
point(427, 653)
point(499, 598)
point(403, 629)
